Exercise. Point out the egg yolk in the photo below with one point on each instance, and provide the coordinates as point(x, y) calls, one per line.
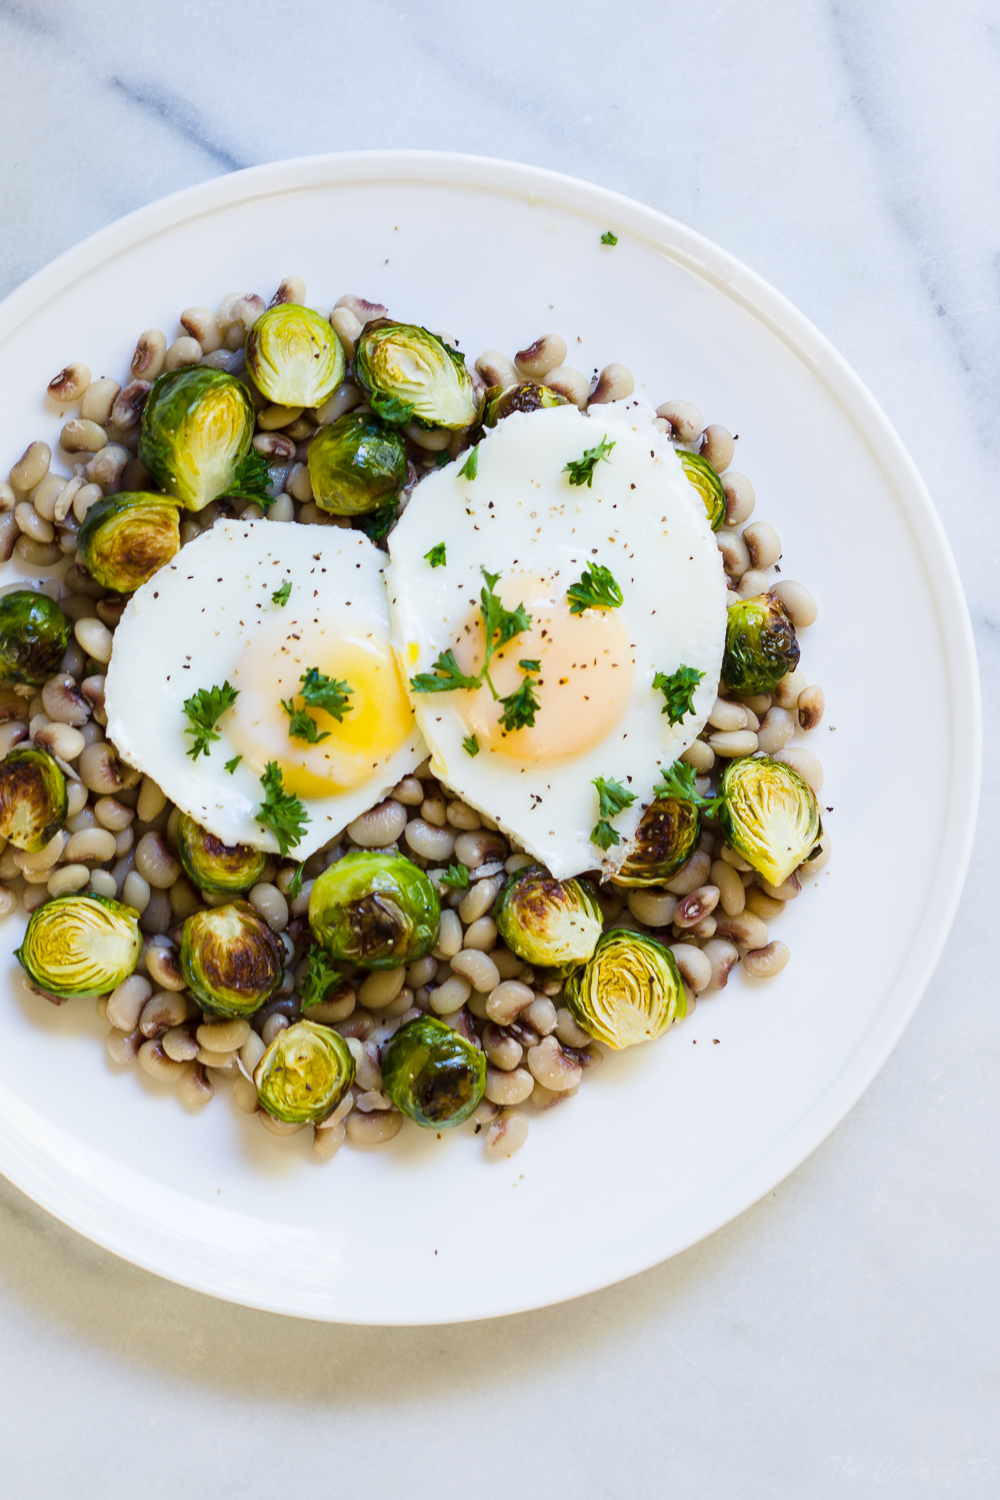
point(583, 684)
point(374, 726)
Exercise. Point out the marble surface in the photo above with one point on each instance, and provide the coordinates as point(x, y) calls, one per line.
point(841, 1336)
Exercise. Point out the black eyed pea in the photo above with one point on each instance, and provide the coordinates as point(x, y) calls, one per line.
point(225, 1036)
point(786, 694)
point(694, 964)
point(512, 1086)
point(98, 400)
point(541, 1016)
point(614, 383)
point(221, 1063)
point(154, 1061)
point(123, 1046)
point(183, 351)
point(787, 891)
point(32, 524)
point(112, 814)
point(692, 874)
point(746, 930)
point(762, 905)
point(81, 436)
point(381, 987)
point(67, 879)
point(95, 639)
point(162, 966)
point(696, 906)
point(449, 935)
point(685, 421)
point(154, 861)
point(735, 556)
point(737, 861)
point(421, 971)
point(723, 957)
point(717, 446)
point(652, 908)
point(476, 902)
point(777, 728)
point(482, 935)
point(194, 1087)
point(506, 1001)
point(569, 1032)
point(326, 1143)
point(278, 1127)
point(700, 755)
point(463, 817)
point(799, 603)
point(374, 1129)
point(125, 1004)
point(496, 369)
point(572, 384)
point(107, 467)
point(33, 897)
point(478, 968)
point(11, 734)
point(123, 843)
point(129, 405)
point(545, 354)
point(434, 810)
point(732, 892)
point(150, 355)
point(509, 966)
point(347, 328)
point(162, 1012)
point(751, 584)
point(95, 844)
point(764, 963)
point(431, 843)
point(409, 791)
point(480, 848)
point(32, 467)
point(345, 398)
point(810, 707)
point(728, 716)
point(179, 1044)
point(551, 1066)
point(807, 765)
point(36, 554)
point(379, 826)
point(266, 899)
point(200, 323)
point(136, 893)
point(70, 384)
point(740, 498)
point(61, 739)
point(507, 1133)
point(502, 1050)
point(7, 497)
point(813, 866)
point(763, 544)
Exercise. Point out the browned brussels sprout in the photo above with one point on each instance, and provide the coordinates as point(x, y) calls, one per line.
point(432, 1074)
point(667, 835)
point(214, 866)
point(376, 910)
point(545, 921)
point(126, 538)
point(80, 945)
point(410, 374)
point(32, 798)
point(34, 633)
point(357, 464)
point(527, 396)
point(760, 645)
point(304, 1073)
point(231, 959)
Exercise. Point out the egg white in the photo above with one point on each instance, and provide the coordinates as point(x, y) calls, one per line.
point(642, 519)
point(186, 628)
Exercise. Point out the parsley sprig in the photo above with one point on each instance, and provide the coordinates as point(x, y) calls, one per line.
point(320, 691)
point(302, 725)
point(457, 877)
point(609, 238)
point(251, 480)
point(581, 470)
point(521, 706)
point(437, 556)
point(281, 596)
point(321, 977)
point(281, 813)
point(470, 468)
point(613, 798)
point(678, 782)
point(596, 589)
point(500, 625)
point(470, 745)
point(204, 710)
point(678, 689)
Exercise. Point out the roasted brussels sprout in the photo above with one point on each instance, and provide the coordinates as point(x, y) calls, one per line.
point(196, 430)
point(231, 959)
point(630, 991)
point(376, 910)
point(433, 1074)
point(667, 834)
point(760, 645)
point(125, 538)
point(410, 374)
point(304, 1073)
point(769, 815)
point(34, 633)
point(554, 923)
point(214, 866)
point(707, 483)
point(80, 945)
point(357, 464)
point(294, 356)
point(32, 798)
point(527, 396)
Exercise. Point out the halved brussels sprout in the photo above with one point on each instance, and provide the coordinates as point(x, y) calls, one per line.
point(294, 356)
point(630, 991)
point(409, 373)
point(34, 633)
point(32, 798)
point(214, 866)
point(769, 815)
point(231, 959)
point(527, 396)
point(356, 464)
point(760, 645)
point(707, 483)
point(554, 923)
point(125, 538)
point(432, 1074)
point(304, 1073)
point(667, 834)
point(76, 946)
point(376, 910)
point(196, 429)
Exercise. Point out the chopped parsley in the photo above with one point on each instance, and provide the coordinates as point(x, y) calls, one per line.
point(581, 470)
point(320, 691)
point(321, 977)
point(232, 764)
point(251, 480)
point(378, 523)
point(678, 782)
point(295, 884)
point(521, 706)
point(678, 689)
point(470, 745)
point(470, 468)
point(302, 725)
point(607, 238)
point(613, 798)
point(204, 710)
point(596, 589)
point(500, 626)
point(457, 877)
point(281, 813)
point(437, 556)
point(281, 596)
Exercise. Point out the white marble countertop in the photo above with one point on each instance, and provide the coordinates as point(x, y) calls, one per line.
point(841, 1336)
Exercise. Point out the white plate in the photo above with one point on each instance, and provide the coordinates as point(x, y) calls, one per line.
point(666, 1143)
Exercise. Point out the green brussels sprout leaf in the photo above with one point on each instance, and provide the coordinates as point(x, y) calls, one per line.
point(708, 484)
point(525, 397)
point(411, 374)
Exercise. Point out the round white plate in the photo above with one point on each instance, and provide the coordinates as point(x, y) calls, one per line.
point(665, 1143)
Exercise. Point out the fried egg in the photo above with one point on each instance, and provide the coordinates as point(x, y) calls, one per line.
point(592, 670)
point(210, 617)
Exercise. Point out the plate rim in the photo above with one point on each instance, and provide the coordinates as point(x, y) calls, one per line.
point(83, 1212)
